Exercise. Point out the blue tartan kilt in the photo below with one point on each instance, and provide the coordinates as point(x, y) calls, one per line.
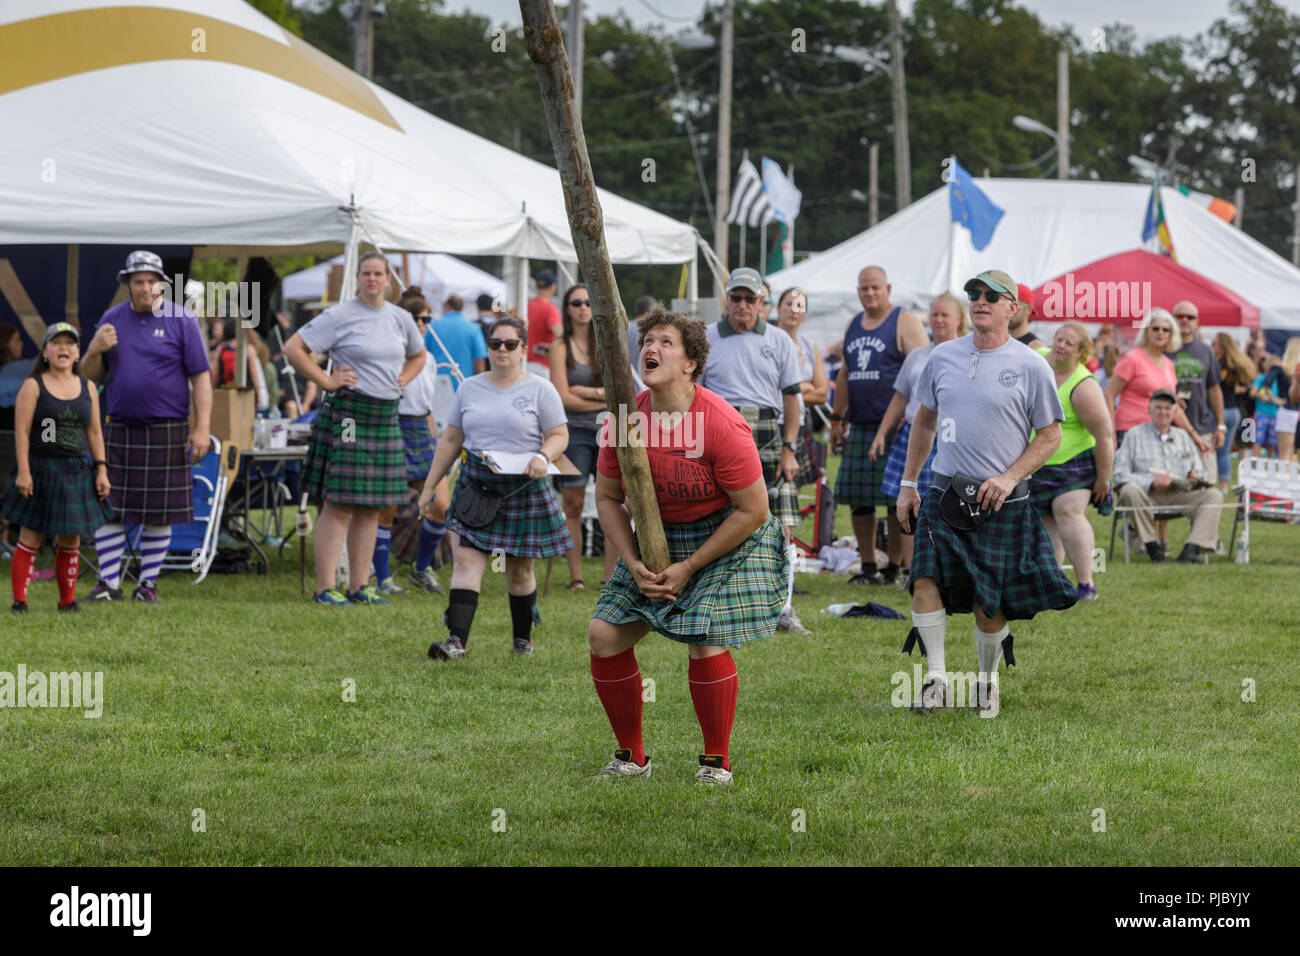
point(1007, 564)
point(63, 498)
point(417, 445)
point(529, 524)
point(736, 598)
point(859, 481)
point(1051, 481)
point(896, 463)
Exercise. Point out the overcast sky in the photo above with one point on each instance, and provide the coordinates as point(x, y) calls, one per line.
point(1151, 18)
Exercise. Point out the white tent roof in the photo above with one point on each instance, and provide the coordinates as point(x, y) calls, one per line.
point(438, 275)
point(202, 122)
point(1050, 227)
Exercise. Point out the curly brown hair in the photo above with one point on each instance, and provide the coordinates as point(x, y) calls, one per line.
point(694, 335)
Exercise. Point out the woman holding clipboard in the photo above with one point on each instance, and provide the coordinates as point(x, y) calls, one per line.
point(509, 411)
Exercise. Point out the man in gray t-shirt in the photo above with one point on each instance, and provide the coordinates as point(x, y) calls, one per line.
point(1200, 388)
point(993, 403)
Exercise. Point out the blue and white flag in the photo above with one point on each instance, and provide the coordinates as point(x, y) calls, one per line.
point(971, 208)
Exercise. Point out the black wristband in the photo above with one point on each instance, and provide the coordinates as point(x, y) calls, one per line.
point(97, 462)
point(835, 418)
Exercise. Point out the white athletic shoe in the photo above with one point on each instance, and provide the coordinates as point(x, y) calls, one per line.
point(623, 766)
point(711, 771)
point(789, 621)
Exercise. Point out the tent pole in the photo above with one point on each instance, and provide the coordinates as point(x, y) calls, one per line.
point(241, 329)
point(71, 311)
point(693, 283)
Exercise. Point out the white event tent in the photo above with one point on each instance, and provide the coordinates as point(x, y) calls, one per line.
point(1050, 227)
point(438, 275)
point(203, 123)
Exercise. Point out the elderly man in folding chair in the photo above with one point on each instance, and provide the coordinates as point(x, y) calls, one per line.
point(1158, 467)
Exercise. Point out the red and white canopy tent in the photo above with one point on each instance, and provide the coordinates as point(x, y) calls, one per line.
point(1122, 288)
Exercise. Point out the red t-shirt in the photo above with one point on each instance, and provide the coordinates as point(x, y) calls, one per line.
point(541, 316)
point(709, 451)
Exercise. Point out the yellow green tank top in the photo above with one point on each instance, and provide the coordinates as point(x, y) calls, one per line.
point(1075, 437)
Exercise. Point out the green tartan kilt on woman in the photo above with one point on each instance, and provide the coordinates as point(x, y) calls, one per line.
point(529, 522)
point(355, 456)
point(736, 598)
point(1007, 563)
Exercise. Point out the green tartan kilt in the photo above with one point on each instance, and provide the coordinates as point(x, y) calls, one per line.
point(355, 455)
point(529, 524)
point(768, 438)
point(735, 599)
point(859, 481)
point(1007, 564)
point(63, 499)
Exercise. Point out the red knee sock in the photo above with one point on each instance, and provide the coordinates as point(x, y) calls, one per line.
point(618, 685)
point(21, 571)
point(65, 569)
point(714, 685)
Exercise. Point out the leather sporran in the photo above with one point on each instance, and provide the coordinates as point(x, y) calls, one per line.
point(476, 507)
point(960, 504)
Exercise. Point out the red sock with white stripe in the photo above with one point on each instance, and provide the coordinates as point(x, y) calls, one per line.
point(20, 573)
point(66, 563)
point(618, 685)
point(714, 687)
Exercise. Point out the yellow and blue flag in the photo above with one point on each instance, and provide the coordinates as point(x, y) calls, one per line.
point(971, 208)
point(1154, 225)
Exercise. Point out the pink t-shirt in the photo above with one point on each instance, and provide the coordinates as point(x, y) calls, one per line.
point(1141, 378)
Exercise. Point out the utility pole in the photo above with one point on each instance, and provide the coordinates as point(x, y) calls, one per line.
point(575, 50)
point(902, 151)
point(722, 201)
point(1063, 113)
point(873, 185)
point(363, 38)
point(1295, 234)
point(1239, 200)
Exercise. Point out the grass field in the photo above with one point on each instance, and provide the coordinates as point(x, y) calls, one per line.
point(228, 699)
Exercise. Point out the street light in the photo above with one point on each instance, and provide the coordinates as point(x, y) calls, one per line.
point(1033, 126)
point(898, 85)
point(853, 54)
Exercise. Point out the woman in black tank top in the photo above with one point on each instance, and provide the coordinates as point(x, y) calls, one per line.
point(57, 489)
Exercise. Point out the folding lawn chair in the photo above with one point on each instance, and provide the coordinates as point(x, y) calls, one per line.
point(1270, 491)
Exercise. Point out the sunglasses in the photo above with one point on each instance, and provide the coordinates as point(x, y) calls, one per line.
point(579, 303)
point(1161, 329)
point(1184, 315)
point(508, 344)
point(988, 295)
point(737, 297)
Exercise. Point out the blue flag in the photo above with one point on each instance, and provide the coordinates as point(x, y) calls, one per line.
point(971, 208)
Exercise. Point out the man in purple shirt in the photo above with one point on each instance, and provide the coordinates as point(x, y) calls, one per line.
point(148, 352)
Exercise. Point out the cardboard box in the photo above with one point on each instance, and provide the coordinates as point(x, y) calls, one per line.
point(233, 411)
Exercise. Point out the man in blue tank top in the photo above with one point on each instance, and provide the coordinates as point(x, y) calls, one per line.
point(875, 344)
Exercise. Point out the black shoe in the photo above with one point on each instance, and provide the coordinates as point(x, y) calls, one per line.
point(1155, 552)
point(1191, 554)
point(19, 607)
point(524, 648)
point(890, 574)
point(867, 577)
point(72, 607)
point(449, 650)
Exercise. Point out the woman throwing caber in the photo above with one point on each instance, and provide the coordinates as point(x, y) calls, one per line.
point(727, 580)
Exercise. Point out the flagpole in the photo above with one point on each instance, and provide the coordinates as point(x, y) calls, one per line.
point(762, 249)
point(950, 278)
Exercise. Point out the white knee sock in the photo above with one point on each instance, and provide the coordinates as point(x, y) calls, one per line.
point(933, 626)
point(153, 548)
point(792, 552)
point(110, 539)
point(988, 647)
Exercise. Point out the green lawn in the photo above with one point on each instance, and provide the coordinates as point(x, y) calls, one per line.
point(228, 697)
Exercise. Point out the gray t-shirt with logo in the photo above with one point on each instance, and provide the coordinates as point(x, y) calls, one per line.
point(375, 342)
point(909, 375)
point(1197, 370)
point(506, 419)
point(988, 401)
point(752, 368)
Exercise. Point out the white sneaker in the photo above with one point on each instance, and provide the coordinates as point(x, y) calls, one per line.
point(389, 586)
point(712, 772)
point(623, 766)
point(789, 621)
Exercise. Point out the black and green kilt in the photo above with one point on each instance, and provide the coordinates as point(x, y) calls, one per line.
point(63, 499)
point(417, 445)
point(858, 483)
point(1051, 481)
point(811, 455)
point(355, 456)
point(768, 439)
point(529, 524)
point(1007, 564)
point(735, 599)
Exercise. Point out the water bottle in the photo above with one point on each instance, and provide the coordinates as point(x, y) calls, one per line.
point(1243, 549)
point(839, 610)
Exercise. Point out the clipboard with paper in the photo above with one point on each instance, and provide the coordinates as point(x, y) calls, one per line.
point(516, 463)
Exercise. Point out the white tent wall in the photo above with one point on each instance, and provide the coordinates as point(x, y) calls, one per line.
point(167, 145)
point(1050, 227)
point(437, 274)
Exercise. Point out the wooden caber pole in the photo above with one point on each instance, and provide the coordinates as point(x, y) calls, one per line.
point(545, 45)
